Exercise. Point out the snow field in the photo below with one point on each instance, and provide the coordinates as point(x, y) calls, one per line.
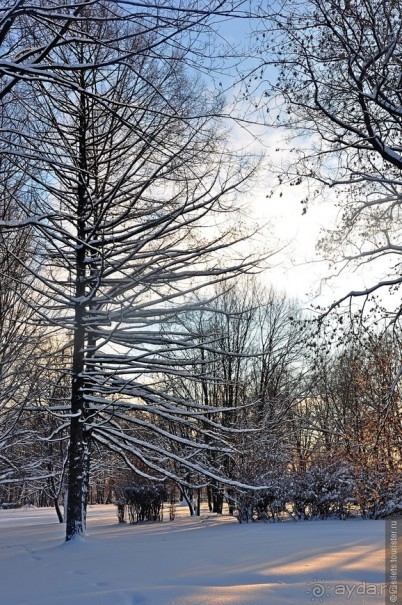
point(190, 561)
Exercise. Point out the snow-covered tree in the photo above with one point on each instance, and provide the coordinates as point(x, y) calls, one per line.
point(249, 360)
point(135, 194)
point(21, 340)
point(336, 86)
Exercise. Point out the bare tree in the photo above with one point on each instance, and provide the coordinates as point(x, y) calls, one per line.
point(338, 88)
point(32, 33)
point(21, 339)
point(249, 361)
point(356, 407)
point(134, 190)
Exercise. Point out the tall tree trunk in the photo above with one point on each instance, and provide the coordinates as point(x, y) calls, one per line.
point(78, 468)
point(188, 498)
point(58, 511)
point(79, 448)
point(216, 497)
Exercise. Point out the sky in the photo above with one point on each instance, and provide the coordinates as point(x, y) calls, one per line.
point(298, 269)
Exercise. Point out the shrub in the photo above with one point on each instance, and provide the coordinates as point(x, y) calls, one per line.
point(378, 494)
point(141, 503)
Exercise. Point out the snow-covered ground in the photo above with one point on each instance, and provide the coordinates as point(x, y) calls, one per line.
point(189, 561)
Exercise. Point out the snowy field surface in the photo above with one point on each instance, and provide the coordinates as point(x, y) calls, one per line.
point(190, 561)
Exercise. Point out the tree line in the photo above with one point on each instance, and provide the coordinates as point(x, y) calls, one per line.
point(291, 419)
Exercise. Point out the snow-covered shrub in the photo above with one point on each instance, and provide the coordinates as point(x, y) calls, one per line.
point(378, 494)
point(244, 509)
point(271, 503)
point(326, 490)
point(141, 503)
point(333, 487)
point(300, 495)
point(262, 505)
point(9, 505)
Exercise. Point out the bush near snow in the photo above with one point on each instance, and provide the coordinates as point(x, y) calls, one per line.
point(323, 491)
point(378, 494)
point(262, 505)
point(141, 503)
point(328, 489)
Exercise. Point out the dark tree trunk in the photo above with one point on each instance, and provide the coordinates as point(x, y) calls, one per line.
point(79, 454)
point(209, 498)
point(79, 448)
point(215, 498)
point(58, 511)
point(231, 501)
point(198, 511)
point(188, 498)
point(78, 469)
